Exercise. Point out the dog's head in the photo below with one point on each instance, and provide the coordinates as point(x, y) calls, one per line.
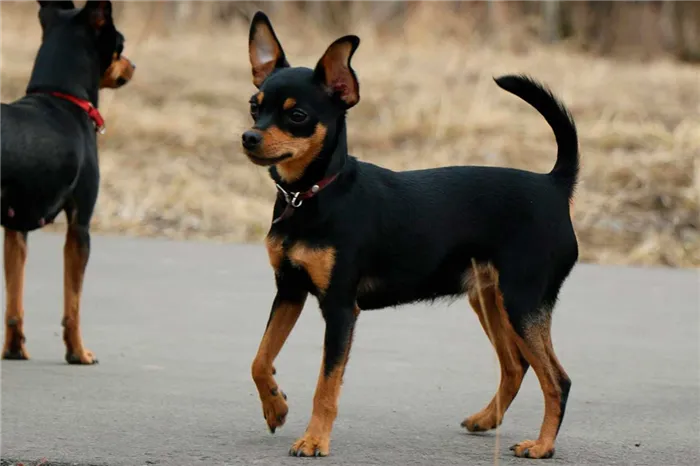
point(297, 111)
point(91, 25)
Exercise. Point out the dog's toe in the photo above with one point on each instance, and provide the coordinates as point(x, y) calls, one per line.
point(86, 358)
point(15, 355)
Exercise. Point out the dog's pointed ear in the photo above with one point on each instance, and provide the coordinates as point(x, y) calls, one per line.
point(265, 51)
point(98, 13)
point(334, 71)
point(69, 5)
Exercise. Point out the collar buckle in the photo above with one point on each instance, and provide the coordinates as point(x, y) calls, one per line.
point(294, 200)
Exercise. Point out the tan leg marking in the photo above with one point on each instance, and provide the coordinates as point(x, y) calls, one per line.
point(537, 349)
point(15, 257)
point(278, 329)
point(497, 326)
point(75, 258)
point(316, 441)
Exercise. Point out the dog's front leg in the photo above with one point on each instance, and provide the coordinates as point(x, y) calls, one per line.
point(286, 309)
point(340, 325)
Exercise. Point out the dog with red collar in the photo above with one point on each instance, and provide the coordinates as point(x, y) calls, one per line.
point(49, 154)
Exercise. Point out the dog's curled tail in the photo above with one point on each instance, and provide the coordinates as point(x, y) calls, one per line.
point(560, 120)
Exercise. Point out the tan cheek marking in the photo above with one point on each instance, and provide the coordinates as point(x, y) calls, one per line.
point(120, 67)
point(318, 263)
point(260, 97)
point(275, 251)
point(110, 76)
point(276, 142)
point(127, 69)
point(292, 169)
point(289, 103)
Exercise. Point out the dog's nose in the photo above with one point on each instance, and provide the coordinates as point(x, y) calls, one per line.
point(251, 139)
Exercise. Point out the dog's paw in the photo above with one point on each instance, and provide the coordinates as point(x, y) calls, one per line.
point(20, 354)
point(481, 422)
point(311, 445)
point(86, 358)
point(275, 409)
point(535, 449)
point(13, 348)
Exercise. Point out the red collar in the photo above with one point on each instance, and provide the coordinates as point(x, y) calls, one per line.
point(294, 200)
point(87, 107)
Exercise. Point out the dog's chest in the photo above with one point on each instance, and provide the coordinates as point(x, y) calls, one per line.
point(316, 261)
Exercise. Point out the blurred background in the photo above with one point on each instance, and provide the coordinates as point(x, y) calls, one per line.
point(172, 164)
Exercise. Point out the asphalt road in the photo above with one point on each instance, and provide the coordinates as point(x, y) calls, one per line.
point(176, 325)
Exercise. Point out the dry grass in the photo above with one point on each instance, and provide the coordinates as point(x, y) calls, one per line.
point(172, 164)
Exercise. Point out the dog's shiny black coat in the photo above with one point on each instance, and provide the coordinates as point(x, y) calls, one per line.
point(49, 145)
point(376, 238)
point(408, 236)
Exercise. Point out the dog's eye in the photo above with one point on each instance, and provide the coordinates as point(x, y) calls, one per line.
point(297, 116)
point(254, 109)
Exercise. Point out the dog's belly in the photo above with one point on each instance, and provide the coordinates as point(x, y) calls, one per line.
point(376, 293)
point(22, 216)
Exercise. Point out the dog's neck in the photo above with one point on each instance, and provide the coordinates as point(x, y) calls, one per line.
point(68, 66)
point(328, 163)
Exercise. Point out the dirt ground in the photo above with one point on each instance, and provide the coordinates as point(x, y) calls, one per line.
point(172, 164)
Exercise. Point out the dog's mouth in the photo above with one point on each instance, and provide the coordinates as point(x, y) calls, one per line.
point(267, 161)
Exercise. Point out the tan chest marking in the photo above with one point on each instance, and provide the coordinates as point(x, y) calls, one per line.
point(275, 251)
point(318, 263)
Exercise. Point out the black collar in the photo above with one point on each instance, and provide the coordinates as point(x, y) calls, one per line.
point(295, 199)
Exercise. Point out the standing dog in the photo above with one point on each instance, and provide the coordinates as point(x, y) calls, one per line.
point(358, 236)
point(49, 155)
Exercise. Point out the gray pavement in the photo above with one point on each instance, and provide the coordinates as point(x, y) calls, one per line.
point(175, 326)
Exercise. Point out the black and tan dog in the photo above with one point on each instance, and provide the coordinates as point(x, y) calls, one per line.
point(49, 155)
point(358, 237)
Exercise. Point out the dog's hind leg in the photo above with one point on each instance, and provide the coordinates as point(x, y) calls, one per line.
point(76, 252)
point(513, 365)
point(531, 318)
point(15, 256)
